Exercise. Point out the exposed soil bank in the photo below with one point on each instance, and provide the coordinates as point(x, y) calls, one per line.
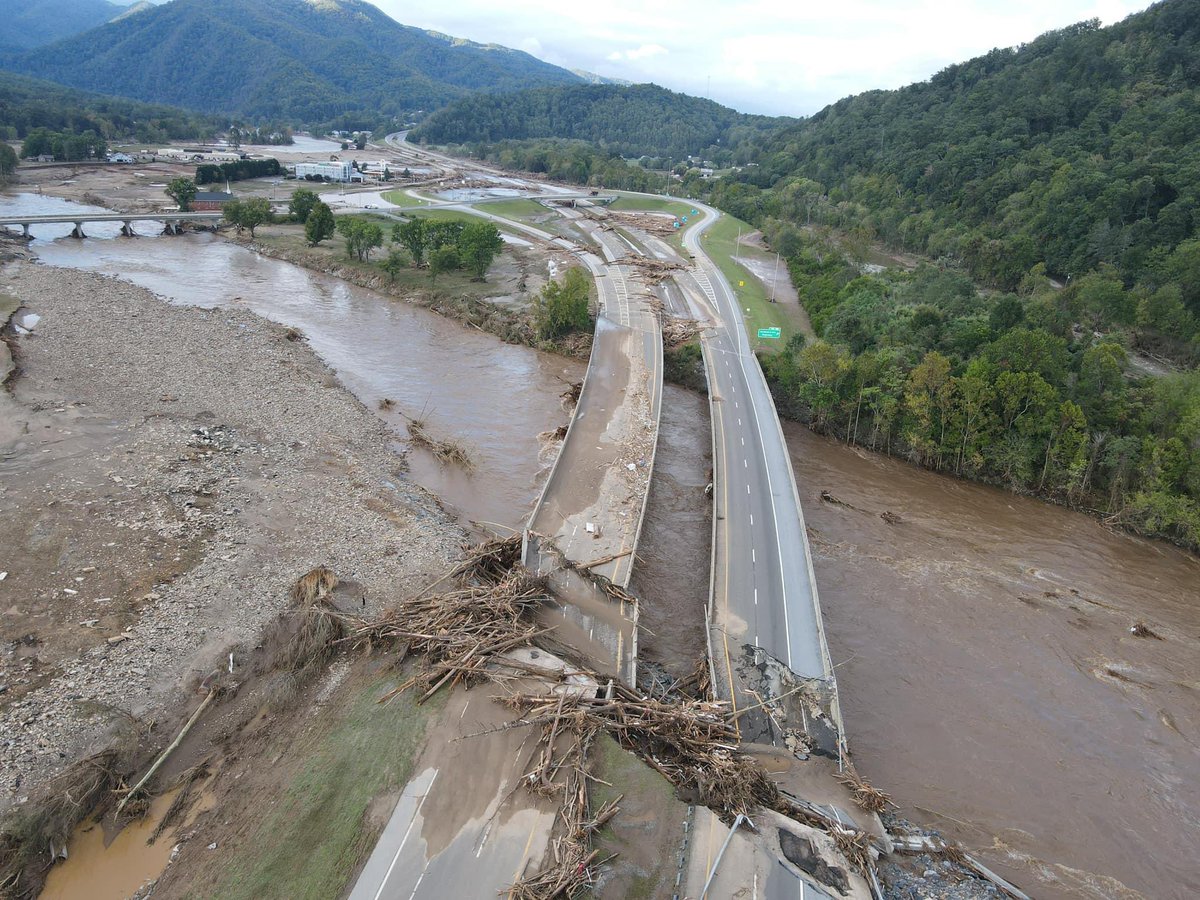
point(989, 679)
point(178, 467)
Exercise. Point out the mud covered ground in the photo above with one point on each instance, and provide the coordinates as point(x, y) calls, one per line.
point(173, 470)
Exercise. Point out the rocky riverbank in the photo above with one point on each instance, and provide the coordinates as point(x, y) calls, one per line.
point(175, 469)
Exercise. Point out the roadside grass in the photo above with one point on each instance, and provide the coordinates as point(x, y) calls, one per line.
point(332, 252)
point(638, 203)
point(521, 209)
point(401, 198)
point(314, 838)
point(720, 242)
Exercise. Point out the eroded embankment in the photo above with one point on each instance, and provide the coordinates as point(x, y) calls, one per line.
point(175, 468)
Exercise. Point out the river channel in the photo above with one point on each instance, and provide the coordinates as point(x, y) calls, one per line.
point(990, 682)
point(988, 675)
point(495, 398)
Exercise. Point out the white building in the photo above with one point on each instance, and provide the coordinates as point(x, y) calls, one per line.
point(334, 171)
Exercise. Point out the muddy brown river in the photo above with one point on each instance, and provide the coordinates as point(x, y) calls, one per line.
point(988, 675)
point(990, 682)
point(496, 398)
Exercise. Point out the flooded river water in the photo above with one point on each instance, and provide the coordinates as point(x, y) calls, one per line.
point(988, 675)
point(494, 397)
point(990, 682)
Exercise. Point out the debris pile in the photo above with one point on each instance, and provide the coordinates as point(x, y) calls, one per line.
point(443, 450)
point(46, 821)
point(304, 637)
point(654, 271)
point(576, 866)
point(460, 632)
point(865, 794)
point(677, 332)
point(693, 743)
point(571, 394)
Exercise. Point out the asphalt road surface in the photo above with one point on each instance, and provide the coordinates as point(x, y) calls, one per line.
point(764, 588)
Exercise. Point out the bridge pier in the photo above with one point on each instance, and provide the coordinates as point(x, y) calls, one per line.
point(172, 228)
point(78, 231)
point(25, 231)
point(127, 229)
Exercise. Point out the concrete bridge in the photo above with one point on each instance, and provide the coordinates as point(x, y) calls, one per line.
point(574, 199)
point(173, 221)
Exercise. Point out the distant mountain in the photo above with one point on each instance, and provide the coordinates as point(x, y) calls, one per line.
point(1078, 150)
point(32, 23)
point(302, 61)
point(593, 78)
point(639, 120)
point(27, 104)
point(134, 8)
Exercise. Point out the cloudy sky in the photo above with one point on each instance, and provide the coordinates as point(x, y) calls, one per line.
point(763, 56)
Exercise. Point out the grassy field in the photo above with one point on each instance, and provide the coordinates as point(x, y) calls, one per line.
point(313, 839)
point(720, 243)
point(514, 209)
point(401, 198)
point(633, 202)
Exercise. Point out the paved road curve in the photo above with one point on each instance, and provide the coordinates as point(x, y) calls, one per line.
point(763, 583)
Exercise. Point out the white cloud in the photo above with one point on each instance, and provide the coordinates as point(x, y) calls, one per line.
point(646, 51)
point(766, 56)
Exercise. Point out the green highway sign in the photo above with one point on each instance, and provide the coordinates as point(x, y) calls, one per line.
point(774, 333)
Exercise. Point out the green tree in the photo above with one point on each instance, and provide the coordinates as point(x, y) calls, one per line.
point(441, 233)
point(562, 306)
point(361, 236)
point(319, 225)
point(182, 191)
point(231, 212)
point(441, 260)
point(478, 245)
point(302, 203)
point(255, 212)
point(412, 234)
point(393, 265)
point(8, 163)
point(1007, 314)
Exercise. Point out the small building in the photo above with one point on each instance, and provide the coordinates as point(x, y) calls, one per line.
point(45, 157)
point(120, 158)
point(210, 201)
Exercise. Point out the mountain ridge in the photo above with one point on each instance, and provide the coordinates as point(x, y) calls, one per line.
point(314, 61)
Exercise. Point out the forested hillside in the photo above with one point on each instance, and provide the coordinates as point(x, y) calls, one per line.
point(1066, 174)
point(1078, 150)
point(638, 120)
point(27, 104)
point(31, 23)
point(1054, 189)
point(337, 62)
